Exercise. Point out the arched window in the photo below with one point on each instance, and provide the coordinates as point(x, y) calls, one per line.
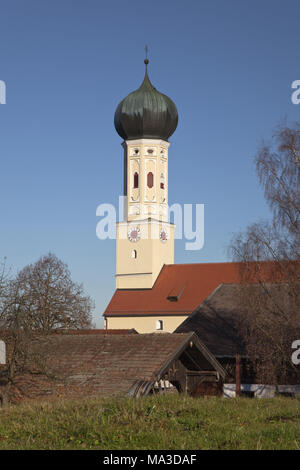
point(136, 180)
point(134, 254)
point(150, 179)
point(162, 181)
point(159, 324)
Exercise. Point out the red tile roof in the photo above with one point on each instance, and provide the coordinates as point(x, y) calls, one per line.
point(190, 284)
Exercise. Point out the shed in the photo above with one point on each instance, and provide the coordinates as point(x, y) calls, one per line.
point(131, 364)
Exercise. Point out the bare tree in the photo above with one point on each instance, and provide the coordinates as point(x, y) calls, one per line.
point(278, 169)
point(42, 298)
point(48, 299)
point(4, 287)
point(16, 338)
point(272, 314)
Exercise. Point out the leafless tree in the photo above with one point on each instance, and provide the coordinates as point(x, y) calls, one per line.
point(271, 316)
point(4, 286)
point(47, 299)
point(278, 169)
point(16, 338)
point(41, 299)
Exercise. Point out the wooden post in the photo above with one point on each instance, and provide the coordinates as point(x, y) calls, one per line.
point(237, 375)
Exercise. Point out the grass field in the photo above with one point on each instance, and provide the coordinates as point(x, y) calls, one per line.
point(157, 422)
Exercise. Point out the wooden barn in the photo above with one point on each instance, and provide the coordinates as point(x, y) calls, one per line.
point(217, 323)
point(94, 364)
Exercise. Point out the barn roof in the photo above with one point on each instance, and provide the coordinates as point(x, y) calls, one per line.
point(216, 322)
point(178, 290)
point(110, 364)
point(94, 331)
point(218, 319)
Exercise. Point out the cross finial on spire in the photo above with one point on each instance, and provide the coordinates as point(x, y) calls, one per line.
point(146, 61)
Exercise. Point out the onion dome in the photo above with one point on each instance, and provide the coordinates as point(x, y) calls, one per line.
point(146, 113)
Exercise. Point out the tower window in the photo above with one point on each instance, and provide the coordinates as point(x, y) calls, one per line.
point(162, 181)
point(159, 324)
point(134, 254)
point(136, 180)
point(150, 179)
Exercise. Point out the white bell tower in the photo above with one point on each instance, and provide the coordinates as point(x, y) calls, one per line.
point(145, 239)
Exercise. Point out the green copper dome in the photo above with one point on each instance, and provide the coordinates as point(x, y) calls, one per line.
point(146, 114)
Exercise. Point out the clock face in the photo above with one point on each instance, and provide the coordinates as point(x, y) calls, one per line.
point(134, 234)
point(163, 235)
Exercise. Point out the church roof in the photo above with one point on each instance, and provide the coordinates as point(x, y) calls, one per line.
point(178, 290)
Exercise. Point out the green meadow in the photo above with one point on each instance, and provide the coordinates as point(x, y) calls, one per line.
point(154, 422)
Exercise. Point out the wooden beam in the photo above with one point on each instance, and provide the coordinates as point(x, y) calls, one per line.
point(237, 375)
point(213, 373)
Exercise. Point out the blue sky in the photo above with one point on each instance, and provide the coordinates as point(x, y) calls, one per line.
point(228, 66)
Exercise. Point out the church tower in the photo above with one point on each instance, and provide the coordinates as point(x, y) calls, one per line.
point(145, 119)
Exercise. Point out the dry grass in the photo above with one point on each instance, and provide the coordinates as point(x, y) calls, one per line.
point(157, 422)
